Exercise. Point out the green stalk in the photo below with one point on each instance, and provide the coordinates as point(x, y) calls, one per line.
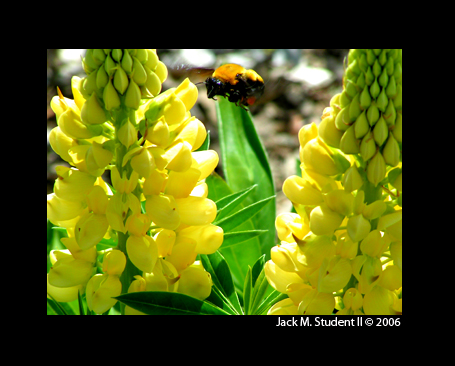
point(130, 269)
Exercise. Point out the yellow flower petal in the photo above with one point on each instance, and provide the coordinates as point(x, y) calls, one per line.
point(163, 210)
point(196, 210)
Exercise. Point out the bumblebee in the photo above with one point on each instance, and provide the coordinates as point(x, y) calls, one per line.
point(241, 86)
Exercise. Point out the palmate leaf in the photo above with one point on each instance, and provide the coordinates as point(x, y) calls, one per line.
point(229, 203)
point(168, 303)
point(231, 222)
point(238, 237)
point(219, 270)
point(244, 165)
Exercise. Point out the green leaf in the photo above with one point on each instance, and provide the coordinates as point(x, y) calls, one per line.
point(218, 268)
point(227, 204)
point(218, 299)
point(238, 259)
point(168, 303)
point(218, 187)
point(231, 222)
point(271, 300)
point(247, 292)
point(260, 288)
point(258, 268)
point(55, 307)
point(238, 237)
point(245, 163)
point(79, 302)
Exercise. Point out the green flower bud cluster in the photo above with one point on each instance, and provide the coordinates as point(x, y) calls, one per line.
point(115, 74)
point(366, 118)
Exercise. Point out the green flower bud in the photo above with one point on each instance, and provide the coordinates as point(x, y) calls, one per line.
point(376, 169)
point(127, 134)
point(354, 108)
point(369, 77)
point(161, 71)
point(101, 154)
point(152, 60)
point(351, 89)
point(389, 66)
point(141, 55)
point(110, 97)
point(152, 86)
point(380, 132)
point(398, 72)
point(391, 151)
point(342, 119)
point(371, 58)
point(98, 56)
point(383, 78)
point(133, 96)
point(352, 179)
point(92, 113)
point(138, 75)
point(89, 61)
point(121, 79)
point(345, 100)
point(363, 64)
point(365, 99)
point(361, 126)
point(383, 57)
point(117, 54)
point(349, 144)
point(361, 83)
point(398, 128)
point(397, 101)
point(89, 84)
point(375, 89)
point(109, 65)
point(390, 114)
point(377, 69)
point(373, 114)
point(101, 78)
point(391, 89)
point(382, 101)
point(127, 62)
point(367, 147)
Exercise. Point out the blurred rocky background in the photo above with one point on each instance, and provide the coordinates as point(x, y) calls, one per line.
point(298, 86)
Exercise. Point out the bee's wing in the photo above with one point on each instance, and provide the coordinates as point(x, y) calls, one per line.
point(195, 74)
